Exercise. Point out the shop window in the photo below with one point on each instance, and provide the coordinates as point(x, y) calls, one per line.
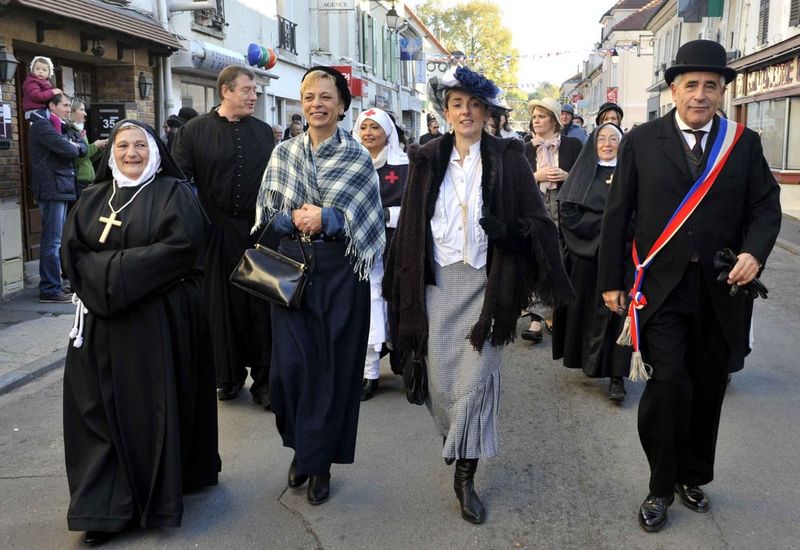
point(793, 139)
point(200, 98)
point(768, 118)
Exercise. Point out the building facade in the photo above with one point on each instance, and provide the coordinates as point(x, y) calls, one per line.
point(102, 53)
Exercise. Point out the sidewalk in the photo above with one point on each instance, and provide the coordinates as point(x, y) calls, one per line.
point(33, 338)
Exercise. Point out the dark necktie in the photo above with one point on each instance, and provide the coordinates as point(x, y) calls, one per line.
point(697, 150)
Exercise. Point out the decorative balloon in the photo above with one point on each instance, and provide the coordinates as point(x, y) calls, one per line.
point(264, 58)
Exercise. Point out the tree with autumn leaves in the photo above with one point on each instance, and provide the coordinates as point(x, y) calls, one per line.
point(474, 28)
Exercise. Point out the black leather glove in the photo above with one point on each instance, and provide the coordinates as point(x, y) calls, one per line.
point(494, 228)
point(724, 260)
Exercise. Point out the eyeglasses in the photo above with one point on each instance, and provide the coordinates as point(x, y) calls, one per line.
point(613, 140)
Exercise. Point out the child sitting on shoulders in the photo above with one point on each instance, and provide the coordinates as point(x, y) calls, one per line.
point(36, 89)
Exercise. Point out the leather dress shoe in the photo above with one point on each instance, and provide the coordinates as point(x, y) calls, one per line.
point(368, 389)
point(653, 512)
point(228, 391)
point(534, 336)
point(295, 480)
point(616, 389)
point(96, 538)
point(693, 497)
point(319, 489)
point(262, 397)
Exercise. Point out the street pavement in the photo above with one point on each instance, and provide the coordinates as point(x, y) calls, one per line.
point(570, 474)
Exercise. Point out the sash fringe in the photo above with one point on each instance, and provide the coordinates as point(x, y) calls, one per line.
point(639, 369)
point(625, 336)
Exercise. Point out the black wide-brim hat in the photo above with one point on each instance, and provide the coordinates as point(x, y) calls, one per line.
point(604, 108)
point(700, 55)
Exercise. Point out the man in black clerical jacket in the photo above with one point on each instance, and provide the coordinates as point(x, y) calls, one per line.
point(226, 151)
point(692, 328)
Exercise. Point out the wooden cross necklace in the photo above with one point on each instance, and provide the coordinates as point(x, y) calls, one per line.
point(112, 221)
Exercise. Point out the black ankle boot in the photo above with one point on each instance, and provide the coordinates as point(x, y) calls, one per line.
point(472, 508)
point(368, 389)
point(319, 488)
point(295, 480)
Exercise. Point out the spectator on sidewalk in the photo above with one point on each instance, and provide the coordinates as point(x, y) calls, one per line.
point(37, 90)
point(53, 181)
point(77, 133)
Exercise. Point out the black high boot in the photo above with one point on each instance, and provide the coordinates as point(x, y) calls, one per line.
point(472, 508)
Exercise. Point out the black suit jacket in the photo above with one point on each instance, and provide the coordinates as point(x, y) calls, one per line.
point(741, 211)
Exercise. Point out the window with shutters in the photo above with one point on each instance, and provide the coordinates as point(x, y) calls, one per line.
point(763, 22)
point(794, 13)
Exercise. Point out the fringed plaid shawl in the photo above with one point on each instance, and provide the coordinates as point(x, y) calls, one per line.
point(339, 174)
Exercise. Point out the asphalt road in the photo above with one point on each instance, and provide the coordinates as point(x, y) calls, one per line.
point(570, 474)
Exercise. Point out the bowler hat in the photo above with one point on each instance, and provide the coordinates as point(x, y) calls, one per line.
point(700, 55)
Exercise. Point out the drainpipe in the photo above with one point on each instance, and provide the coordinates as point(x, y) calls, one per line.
point(166, 67)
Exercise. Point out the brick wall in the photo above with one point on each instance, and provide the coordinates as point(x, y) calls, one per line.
point(10, 173)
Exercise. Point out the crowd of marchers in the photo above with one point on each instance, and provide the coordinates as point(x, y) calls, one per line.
point(428, 254)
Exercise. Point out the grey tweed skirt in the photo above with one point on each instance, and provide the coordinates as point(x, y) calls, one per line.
point(463, 385)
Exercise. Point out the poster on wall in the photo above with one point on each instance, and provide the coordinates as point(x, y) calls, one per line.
point(5, 126)
point(612, 95)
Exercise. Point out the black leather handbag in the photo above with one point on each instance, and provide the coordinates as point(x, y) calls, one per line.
point(415, 378)
point(271, 276)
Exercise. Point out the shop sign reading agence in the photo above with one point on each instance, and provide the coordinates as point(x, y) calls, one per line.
point(766, 79)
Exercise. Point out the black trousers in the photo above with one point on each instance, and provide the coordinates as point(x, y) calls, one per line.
point(680, 408)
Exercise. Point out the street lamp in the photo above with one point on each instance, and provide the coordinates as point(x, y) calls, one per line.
point(8, 64)
point(614, 56)
point(145, 86)
point(392, 19)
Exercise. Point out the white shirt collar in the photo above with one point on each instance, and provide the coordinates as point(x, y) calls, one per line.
point(474, 151)
point(683, 126)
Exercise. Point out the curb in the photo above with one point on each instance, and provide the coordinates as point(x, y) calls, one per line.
point(788, 246)
point(32, 370)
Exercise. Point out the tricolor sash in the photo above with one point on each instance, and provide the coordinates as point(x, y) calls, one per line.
point(729, 133)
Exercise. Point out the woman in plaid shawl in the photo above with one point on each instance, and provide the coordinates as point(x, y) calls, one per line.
point(322, 184)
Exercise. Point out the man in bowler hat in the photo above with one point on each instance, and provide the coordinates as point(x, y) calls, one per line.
point(691, 327)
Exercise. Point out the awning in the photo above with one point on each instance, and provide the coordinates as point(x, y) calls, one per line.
point(119, 20)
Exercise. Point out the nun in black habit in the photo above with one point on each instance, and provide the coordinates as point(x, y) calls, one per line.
point(585, 333)
point(140, 418)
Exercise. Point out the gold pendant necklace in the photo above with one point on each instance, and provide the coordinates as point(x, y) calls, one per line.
point(464, 207)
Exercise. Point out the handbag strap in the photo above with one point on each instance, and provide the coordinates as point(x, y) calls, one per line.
point(301, 237)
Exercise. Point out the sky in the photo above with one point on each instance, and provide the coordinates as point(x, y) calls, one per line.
point(540, 27)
